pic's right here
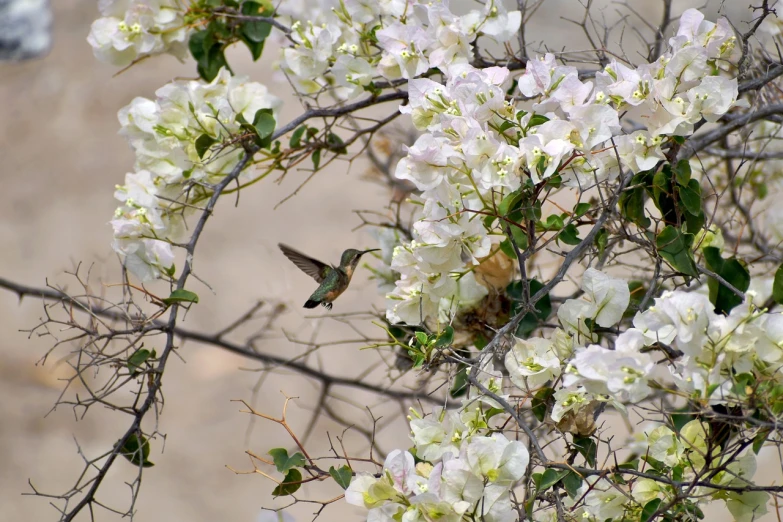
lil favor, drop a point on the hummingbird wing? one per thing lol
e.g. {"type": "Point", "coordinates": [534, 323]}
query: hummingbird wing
{"type": "Point", "coordinates": [306, 264]}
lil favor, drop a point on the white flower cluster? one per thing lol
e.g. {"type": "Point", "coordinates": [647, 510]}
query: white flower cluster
{"type": "Point", "coordinates": [478, 146]}
{"type": "Point", "coordinates": [459, 458]}
{"type": "Point", "coordinates": [412, 36]}
{"type": "Point", "coordinates": [463, 472]}
{"type": "Point", "coordinates": [589, 372]}
{"type": "Point", "coordinates": [171, 178]}
{"type": "Point", "coordinates": [134, 29]}
{"type": "Point", "coordinates": [687, 450]}
{"type": "Point", "coordinates": [603, 500]}
{"type": "Point", "coordinates": [715, 347]}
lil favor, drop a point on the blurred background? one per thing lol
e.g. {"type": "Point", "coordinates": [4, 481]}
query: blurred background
{"type": "Point", "coordinates": [60, 158]}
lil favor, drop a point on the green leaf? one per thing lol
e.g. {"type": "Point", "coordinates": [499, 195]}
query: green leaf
{"type": "Point", "coordinates": [536, 120]}
{"type": "Point", "coordinates": [507, 124]}
{"type": "Point", "coordinates": [657, 465]}
{"type": "Point", "coordinates": [631, 464]}
{"type": "Point", "coordinates": [203, 143]}
{"type": "Point", "coordinates": [760, 439]}
{"type": "Point", "coordinates": [214, 60]}
{"type": "Point", "coordinates": [777, 286]}
{"type": "Point", "coordinates": [632, 201]}
{"type": "Point", "coordinates": [460, 385]}
{"type": "Point", "coordinates": [507, 248]}
{"type": "Point", "coordinates": [510, 203]}
{"type": "Point", "coordinates": [637, 291]}
{"type": "Point", "coordinates": [690, 196]}
{"type": "Point", "coordinates": [520, 238]}
{"type": "Point", "coordinates": [264, 123]}
{"type": "Point", "coordinates": [682, 173]}
{"type": "Point", "coordinates": [342, 476]}
{"type": "Point", "coordinates": [316, 157]}
{"type": "Point", "coordinates": [255, 30]}
{"type": "Point", "coordinates": [549, 478]}
{"type": "Point", "coordinates": [569, 235]}
{"type": "Point", "coordinates": [181, 296]}
{"type": "Point", "coordinates": [256, 48]}
{"type": "Point", "coordinates": [587, 447]}
{"type": "Point", "coordinates": [663, 194]}
{"type": "Point", "coordinates": [601, 241]}
{"type": "Point", "coordinates": [492, 412]}
{"type": "Point", "coordinates": [540, 403]}
{"type": "Point", "coordinates": [137, 450]}
{"type": "Point", "coordinates": [680, 417]}
{"type": "Point", "coordinates": [742, 382]}
{"type": "Point", "coordinates": [196, 44]}
{"type": "Point", "coordinates": [543, 309]}
{"type": "Point", "coordinates": [649, 509]}
{"type": "Point", "coordinates": [296, 136]}
{"type": "Point", "coordinates": [581, 209]}
{"type": "Point", "coordinates": [336, 143]}
{"type": "Point", "coordinates": [445, 337]}
{"type": "Point", "coordinates": [138, 358]}
{"type": "Point", "coordinates": [529, 504]}
{"type": "Point", "coordinates": [553, 222]}
{"type": "Point", "coordinates": [170, 271]}
{"type": "Point", "coordinates": [572, 482]}
{"type": "Point", "coordinates": [675, 247]}
{"type": "Point", "coordinates": [284, 462]}
{"type": "Point", "coordinates": [693, 222]}
{"type": "Point", "coordinates": [422, 338]}
{"type": "Point", "coordinates": [290, 485]}
{"type": "Point", "coordinates": [733, 272]}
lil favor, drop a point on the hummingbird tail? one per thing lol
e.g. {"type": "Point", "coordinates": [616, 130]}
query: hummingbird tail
{"type": "Point", "coordinates": [311, 304]}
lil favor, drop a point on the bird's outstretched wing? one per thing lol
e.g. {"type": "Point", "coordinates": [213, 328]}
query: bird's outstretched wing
{"type": "Point", "coordinates": [306, 264]}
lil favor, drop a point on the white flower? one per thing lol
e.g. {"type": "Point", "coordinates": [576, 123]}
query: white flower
{"type": "Point", "coordinates": [639, 151]}
{"type": "Point", "coordinates": [353, 74]}
{"type": "Point", "coordinates": [678, 317]}
{"type": "Point", "coordinates": [134, 29]}
{"type": "Point", "coordinates": [714, 96]}
{"type": "Point", "coordinates": [532, 362]}
{"type": "Point", "coordinates": [619, 373]}
{"type": "Point", "coordinates": [436, 435]}
{"type": "Point", "coordinates": [567, 400]}
{"type": "Point", "coordinates": [163, 134]}
{"type": "Point", "coordinates": [664, 446]}
{"type": "Point", "coordinates": [609, 297]}
{"type": "Point", "coordinates": [497, 459]}
{"type": "Point", "coordinates": [604, 500]}
{"type": "Point", "coordinates": [747, 506]}
{"type": "Point", "coordinates": [404, 44]}
{"type": "Point", "coordinates": [401, 469]}
{"type": "Point", "coordinates": [146, 258]}
{"type": "Point", "coordinates": [411, 301]}
{"type": "Point", "coordinates": [499, 24]}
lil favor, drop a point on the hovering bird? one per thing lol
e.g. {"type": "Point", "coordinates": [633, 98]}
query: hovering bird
{"type": "Point", "coordinates": [333, 279]}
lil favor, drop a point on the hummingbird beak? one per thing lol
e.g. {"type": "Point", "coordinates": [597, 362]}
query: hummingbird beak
{"type": "Point", "coordinates": [371, 250]}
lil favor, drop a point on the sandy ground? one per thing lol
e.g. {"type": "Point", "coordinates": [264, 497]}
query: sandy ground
{"type": "Point", "coordinates": [60, 157]}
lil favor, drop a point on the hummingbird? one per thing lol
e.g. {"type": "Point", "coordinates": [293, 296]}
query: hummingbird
{"type": "Point", "coordinates": [333, 280]}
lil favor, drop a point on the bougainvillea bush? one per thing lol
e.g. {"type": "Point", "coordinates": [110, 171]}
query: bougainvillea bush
{"type": "Point", "coordinates": [573, 236]}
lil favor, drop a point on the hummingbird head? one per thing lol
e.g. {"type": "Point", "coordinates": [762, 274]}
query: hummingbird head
{"type": "Point", "coordinates": [351, 258]}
